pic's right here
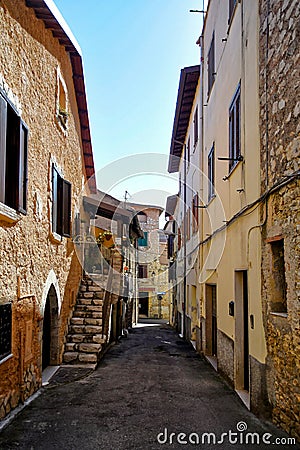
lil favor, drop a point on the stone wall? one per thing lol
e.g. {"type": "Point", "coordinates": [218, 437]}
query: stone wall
{"type": "Point", "coordinates": [280, 151]}
{"type": "Point", "coordinates": [30, 61]}
{"type": "Point", "coordinates": [226, 357]}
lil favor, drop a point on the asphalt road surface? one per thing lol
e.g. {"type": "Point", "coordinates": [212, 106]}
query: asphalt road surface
{"type": "Point", "coordinates": [151, 391]}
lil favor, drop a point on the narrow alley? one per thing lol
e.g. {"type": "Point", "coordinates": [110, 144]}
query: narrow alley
{"type": "Point", "coordinates": [146, 391]}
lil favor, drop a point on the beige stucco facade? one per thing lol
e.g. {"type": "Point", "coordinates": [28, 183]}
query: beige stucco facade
{"type": "Point", "coordinates": [35, 260]}
{"type": "Point", "coordinates": [280, 151]}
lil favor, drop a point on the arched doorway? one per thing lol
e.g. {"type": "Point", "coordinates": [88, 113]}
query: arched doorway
{"type": "Point", "coordinates": [50, 330]}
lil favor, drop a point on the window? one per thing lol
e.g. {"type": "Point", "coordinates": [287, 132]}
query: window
{"type": "Point", "coordinates": [142, 217]}
{"type": "Point", "coordinates": [179, 192]}
{"type": "Point", "coordinates": [196, 127]}
{"type": "Point", "coordinates": [279, 287]}
{"type": "Point", "coordinates": [142, 271]}
{"type": "Point", "coordinates": [232, 4]}
{"type": "Point", "coordinates": [61, 204]}
{"type": "Point", "coordinates": [235, 130]}
{"type": "Point", "coordinates": [188, 152]}
{"type": "Point", "coordinates": [5, 330]}
{"type": "Point", "coordinates": [195, 210]}
{"type": "Point", "coordinates": [13, 157]}
{"type": "Point", "coordinates": [211, 65]}
{"type": "Point", "coordinates": [211, 173]}
{"type": "Point", "coordinates": [62, 111]}
{"type": "Point", "coordinates": [143, 242]}
{"type": "Point", "coordinates": [179, 242]}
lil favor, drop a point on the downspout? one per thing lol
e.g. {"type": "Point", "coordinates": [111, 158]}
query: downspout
{"type": "Point", "coordinates": [266, 96]}
{"type": "Point", "coordinates": [201, 231]}
{"type": "Point", "coordinates": [184, 247]}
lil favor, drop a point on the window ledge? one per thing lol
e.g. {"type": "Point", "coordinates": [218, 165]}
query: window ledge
{"type": "Point", "coordinates": [6, 358]}
{"type": "Point", "coordinates": [8, 214]}
{"type": "Point", "coordinates": [233, 169]}
{"type": "Point", "coordinates": [279, 314]}
{"type": "Point", "coordinates": [211, 199]}
{"type": "Point", "coordinates": [55, 238]}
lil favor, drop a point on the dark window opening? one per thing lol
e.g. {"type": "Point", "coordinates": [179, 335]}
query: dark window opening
{"type": "Point", "coordinates": [61, 204]}
{"type": "Point", "coordinates": [279, 286]}
{"type": "Point", "coordinates": [142, 271]}
{"type": "Point", "coordinates": [5, 330]}
{"type": "Point", "coordinates": [235, 130]}
{"type": "Point", "coordinates": [211, 173]}
{"type": "Point", "coordinates": [196, 128]}
{"type": "Point", "coordinates": [195, 212]}
{"type": "Point", "coordinates": [232, 4]}
{"type": "Point", "coordinates": [188, 151]}
{"type": "Point", "coordinates": [13, 158]}
{"type": "Point", "coordinates": [211, 65]}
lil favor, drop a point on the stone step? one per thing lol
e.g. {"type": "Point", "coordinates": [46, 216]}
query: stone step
{"type": "Point", "coordinates": [79, 358]}
{"type": "Point", "coordinates": [83, 347]}
{"type": "Point", "coordinates": [86, 321]}
{"type": "Point", "coordinates": [90, 308]}
{"type": "Point", "coordinates": [85, 329]}
{"type": "Point", "coordinates": [86, 338]}
{"type": "Point", "coordinates": [92, 338]}
{"type": "Point", "coordinates": [90, 302]}
{"type": "Point", "coordinates": [90, 314]}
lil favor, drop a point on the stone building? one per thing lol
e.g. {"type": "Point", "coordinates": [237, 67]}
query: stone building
{"type": "Point", "coordinates": [153, 285]}
{"type": "Point", "coordinates": [279, 59]}
{"type": "Point", "coordinates": [45, 161]}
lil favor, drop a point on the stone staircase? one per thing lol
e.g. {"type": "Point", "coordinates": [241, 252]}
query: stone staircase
{"type": "Point", "coordinates": [85, 339]}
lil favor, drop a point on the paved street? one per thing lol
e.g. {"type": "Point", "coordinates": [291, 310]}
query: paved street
{"type": "Point", "coordinates": [150, 383]}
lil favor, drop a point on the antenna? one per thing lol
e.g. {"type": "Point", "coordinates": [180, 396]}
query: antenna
{"type": "Point", "coordinates": [126, 196]}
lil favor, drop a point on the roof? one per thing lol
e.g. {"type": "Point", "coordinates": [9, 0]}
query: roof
{"type": "Point", "coordinates": [188, 82]}
{"type": "Point", "coordinates": [106, 206]}
{"type": "Point", "coordinates": [143, 207]}
{"type": "Point", "coordinates": [50, 15]}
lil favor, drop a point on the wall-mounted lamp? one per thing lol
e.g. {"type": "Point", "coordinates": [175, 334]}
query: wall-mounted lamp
{"type": "Point", "coordinates": [231, 308]}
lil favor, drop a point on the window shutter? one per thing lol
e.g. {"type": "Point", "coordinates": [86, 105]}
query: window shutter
{"type": "Point", "coordinates": [66, 208]}
{"type": "Point", "coordinates": [22, 188]}
{"type": "Point", "coordinates": [54, 199]}
{"type": "Point", "coordinates": [12, 158]}
{"type": "Point", "coordinates": [3, 124]}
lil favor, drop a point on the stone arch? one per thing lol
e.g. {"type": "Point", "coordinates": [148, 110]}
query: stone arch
{"type": "Point", "coordinates": [50, 345]}
{"type": "Point", "coordinates": [51, 280]}
{"type": "Point", "coordinates": [50, 309]}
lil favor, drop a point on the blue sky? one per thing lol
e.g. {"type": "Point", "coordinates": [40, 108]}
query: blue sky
{"type": "Point", "coordinates": [133, 51]}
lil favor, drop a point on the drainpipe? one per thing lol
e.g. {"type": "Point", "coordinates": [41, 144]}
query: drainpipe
{"type": "Point", "coordinates": [184, 247]}
{"type": "Point", "coordinates": [201, 222]}
{"type": "Point", "coordinates": [184, 234]}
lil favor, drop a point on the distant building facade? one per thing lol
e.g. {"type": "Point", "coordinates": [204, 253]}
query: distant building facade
{"type": "Point", "coordinates": [152, 276]}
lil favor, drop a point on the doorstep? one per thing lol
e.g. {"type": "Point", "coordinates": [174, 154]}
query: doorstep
{"type": "Point", "coordinates": [48, 373]}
